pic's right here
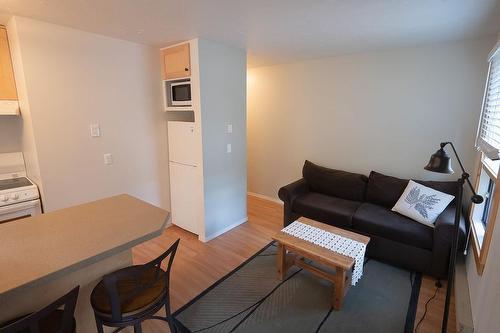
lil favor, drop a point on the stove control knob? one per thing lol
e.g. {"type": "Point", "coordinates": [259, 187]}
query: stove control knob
{"type": "Point", "coordinates": [4, 198]}
{"type": "Point", "coordinates": [14, 196]}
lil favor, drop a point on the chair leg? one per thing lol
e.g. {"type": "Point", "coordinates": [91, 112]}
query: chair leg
{"type": "Point", "coordinates": [170, 319]}
{"type": "Point", "coordinates": [138, 328]}
{"type": "Point", "coordinates": [98, 323]}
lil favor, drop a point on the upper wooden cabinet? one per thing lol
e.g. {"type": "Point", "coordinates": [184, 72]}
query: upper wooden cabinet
{"type": "Point", "coordinates": [176, 62]}
{"type": "Point", "coordinates": [7, 82]}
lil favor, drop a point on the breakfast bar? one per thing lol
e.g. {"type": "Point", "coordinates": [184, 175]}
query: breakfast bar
{"type": "Point", "coordinates": [45, 256]}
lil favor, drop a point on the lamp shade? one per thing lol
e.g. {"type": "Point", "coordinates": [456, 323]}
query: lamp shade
{"type": "Point", "coordinates": [439, 162]}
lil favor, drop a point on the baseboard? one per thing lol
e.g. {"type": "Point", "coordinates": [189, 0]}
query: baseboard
{"type": "Point", "coordinates": [265, 197]}
{"type": "Point", "coordinates": [226, 229]}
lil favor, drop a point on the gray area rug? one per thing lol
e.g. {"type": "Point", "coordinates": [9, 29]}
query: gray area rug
{"type": "Point", "coordinates": [251, 299]}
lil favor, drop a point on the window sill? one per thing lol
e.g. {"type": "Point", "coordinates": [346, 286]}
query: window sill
{"type": "Point", "coordinates": [491, 167]}
{"type": "Point", "coordinates": [476, 249]}
{"type": "Point", "coordinates": [479, 232]}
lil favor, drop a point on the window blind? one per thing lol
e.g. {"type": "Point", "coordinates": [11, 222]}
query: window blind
{"type": "Point", "coordinates": [488, 134]}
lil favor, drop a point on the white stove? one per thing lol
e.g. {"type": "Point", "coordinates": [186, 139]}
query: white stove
{"type": "Point", "coordinates": [19, 196]}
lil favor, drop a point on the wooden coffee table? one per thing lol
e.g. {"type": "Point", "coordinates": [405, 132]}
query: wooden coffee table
{"type": "Point", "coordinates": [294, 251]}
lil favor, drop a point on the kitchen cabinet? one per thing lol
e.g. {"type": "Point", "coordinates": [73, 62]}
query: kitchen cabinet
{"type": "Point", "coordinates": [176, 62]}
{"type": "Point", "coordinates": [7, 82]}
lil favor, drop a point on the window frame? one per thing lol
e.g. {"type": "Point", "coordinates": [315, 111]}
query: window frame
{"type": "Point", "coordinates": [481, 250]}
{"type": "Point", "coordinates": [491, 168]}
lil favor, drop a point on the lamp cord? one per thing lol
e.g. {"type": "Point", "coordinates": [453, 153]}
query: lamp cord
{"type": "Point", "coordinates": [425, 309]}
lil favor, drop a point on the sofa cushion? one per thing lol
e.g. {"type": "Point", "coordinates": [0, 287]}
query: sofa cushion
{"type": "Point", "coordinates": [450, 188]}
{"type": "Point", "coordinates": [327, 209]}
{"type": "Point", "coordinates": [386, 190]}
{"type": "Point", "coordinates": [337, 183]}
{"type": "Point", "coordinates": [379, 221]}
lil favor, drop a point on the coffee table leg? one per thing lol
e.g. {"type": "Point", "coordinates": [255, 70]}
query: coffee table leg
{"type": "Point", "coordinates": [339, 288]}
{"type": "Point", "coordinates": [281, 261]}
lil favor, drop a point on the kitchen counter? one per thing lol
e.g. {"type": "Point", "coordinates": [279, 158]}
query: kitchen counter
{"type": "Point", "coordinates": [49, 254]}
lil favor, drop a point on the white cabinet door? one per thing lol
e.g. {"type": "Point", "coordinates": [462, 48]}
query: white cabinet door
{"type": "Point", "coordinates": [182, 142]}
{"type": "Point", "coordinates": [184, 196]}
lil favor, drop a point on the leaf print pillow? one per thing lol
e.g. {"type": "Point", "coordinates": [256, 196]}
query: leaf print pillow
{"type": "Point", "coordinates": [421, 203]}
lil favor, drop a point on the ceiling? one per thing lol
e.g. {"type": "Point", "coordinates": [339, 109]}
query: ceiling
{"type": "Point", "coordinates": [273, 31]}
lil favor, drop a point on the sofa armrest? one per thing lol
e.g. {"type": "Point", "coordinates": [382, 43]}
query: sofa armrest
{"type": "Point", "coordinates": [445, 224]}
{"type": "Point", "coordinates": [443, 237]}
{"type": "Point", "coordinates": [291, 191]}
{"type": "Point", "coordinates": [288, 194]}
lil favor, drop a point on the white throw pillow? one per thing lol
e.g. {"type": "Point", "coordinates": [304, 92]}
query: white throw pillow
{"type": "Point", "coordinates": [421, 203]}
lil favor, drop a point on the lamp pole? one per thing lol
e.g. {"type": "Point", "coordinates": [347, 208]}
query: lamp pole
{"type": "Point", "coordinates": [453, 254]}
{"type": "Point", "coordinates": [440, 162]}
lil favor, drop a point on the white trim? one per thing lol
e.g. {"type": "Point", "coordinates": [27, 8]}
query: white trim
{"type": "Point", "coordinates": [265, 197]}
{"type": "Point", "coordinates": [220, 232]}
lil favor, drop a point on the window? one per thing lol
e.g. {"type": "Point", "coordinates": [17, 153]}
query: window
{"type": "Point", "coordinates": [488, 136]}
{"type": "Point", "coordinates": [483, 216]}
{"type": "Point", "coordinates": [487, 202]}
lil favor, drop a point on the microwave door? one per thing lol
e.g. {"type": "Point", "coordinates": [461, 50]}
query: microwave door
{"type": "Point", "coordinates": [181, 94]}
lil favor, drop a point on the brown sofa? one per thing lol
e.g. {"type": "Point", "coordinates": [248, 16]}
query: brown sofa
{"type": "Point", "coordinates": [363, 204]}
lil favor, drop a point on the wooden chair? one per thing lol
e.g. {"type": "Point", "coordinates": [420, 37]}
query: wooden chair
{"type": "Point", "coordinates": [134, 294]}
{"type": "Point", "coordinates": [50, 319]}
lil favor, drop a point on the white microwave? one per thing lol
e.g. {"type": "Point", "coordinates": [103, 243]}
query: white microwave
{"type": "Point", "coordinates": [180, 93]}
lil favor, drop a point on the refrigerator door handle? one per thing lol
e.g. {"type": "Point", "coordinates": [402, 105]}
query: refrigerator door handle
{"type": "Point", "coordinates": [189, 165]}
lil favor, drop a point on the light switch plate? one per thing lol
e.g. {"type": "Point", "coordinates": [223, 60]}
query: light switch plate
{"type": "Point", "coordinates": [229, 148]}
{"type": "Point", "coordinates": [108, 159]}
{"type": "Point", "coordinates": [95, 130]}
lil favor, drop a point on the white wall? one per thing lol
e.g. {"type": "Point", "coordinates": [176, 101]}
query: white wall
{"type": "Point", "coordinates": [74, 78]}
{"type": "Point", "coordinates": [223, 101]}
{"type": "Point", "coordinates": [26, 135]}
{"type": "Point", "coordinates": [385, 111]}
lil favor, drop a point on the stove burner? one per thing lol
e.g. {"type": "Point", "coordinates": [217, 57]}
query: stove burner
{"type": "Point", "coordinates": [7, 184]}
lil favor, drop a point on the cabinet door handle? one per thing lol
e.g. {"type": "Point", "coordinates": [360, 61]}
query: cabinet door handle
{"type": "Point", "coordinates": [186, 69]}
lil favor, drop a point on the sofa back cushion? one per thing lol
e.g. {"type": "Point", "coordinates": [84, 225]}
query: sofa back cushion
{"type": "Point", "coordinates": [385, 190]}
{"type": "Point", "coordinates": [337, 183]}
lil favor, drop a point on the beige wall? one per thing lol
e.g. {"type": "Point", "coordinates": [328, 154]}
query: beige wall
{"type": "Point", "coordinates": [484, 291]}
{"type": "Point", "coordinates": [385, 111]}
{"type": "Point", "coordinates": [75, 78]}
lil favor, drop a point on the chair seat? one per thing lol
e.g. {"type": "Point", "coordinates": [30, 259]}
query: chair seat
{"type": "Point", "coordinates": [50, 324]}
{"type": "Point", "coordinates": [142, 301]}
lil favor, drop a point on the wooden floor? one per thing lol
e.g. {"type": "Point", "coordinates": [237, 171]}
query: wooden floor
{"type": "Point", "coordinates": [197, 265]}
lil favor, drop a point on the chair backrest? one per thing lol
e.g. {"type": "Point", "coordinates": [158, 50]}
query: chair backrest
{"type": "Point", "coordinates": [134, 274]}
{"type": "Point", "coordinates": [31, 323]}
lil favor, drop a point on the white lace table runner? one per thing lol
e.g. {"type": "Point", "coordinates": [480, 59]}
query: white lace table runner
{"type": "Point", "coordinates": [333, 242]}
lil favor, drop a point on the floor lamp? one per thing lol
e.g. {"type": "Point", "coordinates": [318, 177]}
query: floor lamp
{"type": "Point", "coordinates": [441, 162]}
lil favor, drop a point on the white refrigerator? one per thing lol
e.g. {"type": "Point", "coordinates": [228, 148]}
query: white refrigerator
{"type": "Point", "coordinates": [184, 184]}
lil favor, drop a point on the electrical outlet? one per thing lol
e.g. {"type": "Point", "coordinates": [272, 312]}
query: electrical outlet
{"type": "Point", "coordinates": [95, 130]}
{"type": "Point", "coordinates": [108, 159]}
